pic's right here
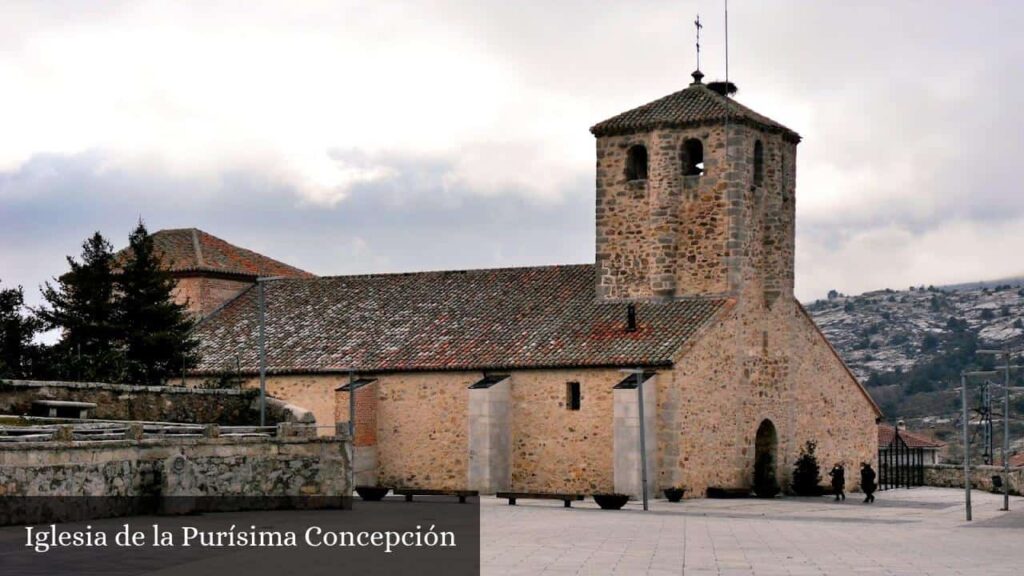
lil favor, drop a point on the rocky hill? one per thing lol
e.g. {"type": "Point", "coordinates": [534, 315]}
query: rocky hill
{"type": "Point", "coordinates": [889, 330]}
{"type": "Point", "coordinates": [909, 346]}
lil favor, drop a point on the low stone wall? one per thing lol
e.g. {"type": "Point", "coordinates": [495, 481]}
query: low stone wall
{"type": "Point", "coordinates": [952, 476]}
{"type": "Point", "coordinates": [243, 469]}
{"type": "Point", "coordinates": [150, 403]}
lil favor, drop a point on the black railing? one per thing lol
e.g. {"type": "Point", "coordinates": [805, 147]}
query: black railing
{"type": "Point", "coordinates": [900, 466]}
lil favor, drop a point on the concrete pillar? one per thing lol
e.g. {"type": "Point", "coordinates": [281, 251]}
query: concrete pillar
{"type": "Point", "coordinates": [490, 432]}
{"type": "Point", "coordinates": [626, 439]}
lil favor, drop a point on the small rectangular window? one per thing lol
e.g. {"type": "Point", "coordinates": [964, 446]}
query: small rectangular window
{"type": "Point", "coordinates": [572, 395]}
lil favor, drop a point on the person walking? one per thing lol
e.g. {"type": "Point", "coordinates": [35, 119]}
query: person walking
{"type": "Point", "coordinates": [867, 482]}
{"type": "Point", "coordinates": [838, 474]}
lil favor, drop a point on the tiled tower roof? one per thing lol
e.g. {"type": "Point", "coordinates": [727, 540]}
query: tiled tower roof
{"type": "Point", "coordinates": [696, 105]}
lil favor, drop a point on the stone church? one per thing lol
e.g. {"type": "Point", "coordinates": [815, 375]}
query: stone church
{"type": "Point", "coordinates": [516, 378]}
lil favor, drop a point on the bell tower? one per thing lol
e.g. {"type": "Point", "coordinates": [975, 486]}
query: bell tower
{"type": "Point", "coordinates": [695, 198]}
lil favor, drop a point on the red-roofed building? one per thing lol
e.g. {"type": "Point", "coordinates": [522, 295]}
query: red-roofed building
{"type": "Point", "coordinates": [210, 271]}
{"type": "Point", "coordinates": [931, 448]}
{"type": "Point", "coordinates": [513, 378]}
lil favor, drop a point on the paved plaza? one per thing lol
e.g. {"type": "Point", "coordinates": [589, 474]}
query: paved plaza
{"type": "Point", "coordinates": [912, 532]}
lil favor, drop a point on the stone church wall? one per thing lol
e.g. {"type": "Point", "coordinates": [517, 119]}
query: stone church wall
{"type": "Point", "coordinates": [758, 365]}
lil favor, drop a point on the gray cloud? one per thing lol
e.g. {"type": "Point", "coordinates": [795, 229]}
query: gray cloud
{"type": "Point", "coordinates": [908, 174]}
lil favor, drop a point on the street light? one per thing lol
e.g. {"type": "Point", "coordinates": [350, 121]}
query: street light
{"type": "Point", "coordinates": [1006, 367]}
{"type": "Point", "coordinates": [967, 446]}
{"type": "Point", "coordinates": [261, 302]}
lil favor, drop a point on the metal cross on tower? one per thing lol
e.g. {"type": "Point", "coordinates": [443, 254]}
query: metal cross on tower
{"type": "Point", "coordinates": [698, 25]}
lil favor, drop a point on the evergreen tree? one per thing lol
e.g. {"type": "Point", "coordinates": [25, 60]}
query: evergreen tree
{"type": "Point", "coordinates": [806, 473]}
{"type": "Point", "coordinates": [17, 329]}
{"type": "Point", "coordinates": [81, 305]}
{"type": "Point", "coordinates": [157, 332]}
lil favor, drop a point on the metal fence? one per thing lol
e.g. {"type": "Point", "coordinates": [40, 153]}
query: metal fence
{"type": "Point", "coordinates": [900, 466]}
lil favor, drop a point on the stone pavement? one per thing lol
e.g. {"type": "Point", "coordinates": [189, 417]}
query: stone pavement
{"type": "Point", "coordinates": [912, 532]}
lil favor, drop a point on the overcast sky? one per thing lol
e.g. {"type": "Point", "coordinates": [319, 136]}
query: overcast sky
{"type": "Point", "coordinates": [353, 137]}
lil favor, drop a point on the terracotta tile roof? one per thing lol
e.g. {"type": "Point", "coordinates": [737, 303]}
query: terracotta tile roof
{"type": "Point", "coordinates": [696, 105]}
{"type": "Point", "coordinates": [191, 250]}
{"type": "Point", "coordinates": [886, 434]}
{"type": "Point", "coordinates": [461, 320]}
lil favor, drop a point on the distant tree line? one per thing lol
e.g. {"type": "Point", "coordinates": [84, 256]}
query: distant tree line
{"type": "Point", "coordinates": [117, 320]}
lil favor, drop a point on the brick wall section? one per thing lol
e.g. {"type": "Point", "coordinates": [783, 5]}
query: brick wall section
{"type": "Point", "coordinates": [366, 413]}
{"type": "Point", "coordinates": [203, 295]}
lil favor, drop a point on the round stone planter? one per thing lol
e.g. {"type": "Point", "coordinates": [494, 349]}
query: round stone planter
{"type": "Point", "coordinates": [674, 494]}
{"type": "Point", "coordinates": [372, 493]}
{"type": "Point", "coordinates": [611, 501]}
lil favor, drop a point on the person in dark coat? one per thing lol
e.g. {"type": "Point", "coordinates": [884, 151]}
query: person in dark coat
{"type": "Point", "coordinates": [867, 482]}
{"type": "Point", "coordinates": [838, 474]}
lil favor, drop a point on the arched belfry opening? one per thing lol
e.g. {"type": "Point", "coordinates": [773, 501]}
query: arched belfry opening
{"type": "Point", "coordinates": [692, 156]}
{"type": "Point", "coordinates": [758, 163]}
{"type": "Point", "coordinates": [636, 162]}
{"type": "Point", "coordinates": [766, 445]}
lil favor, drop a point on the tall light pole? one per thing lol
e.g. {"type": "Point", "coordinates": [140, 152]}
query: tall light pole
{"type": "Point", "coordinates": [261, 303]}
{"type": "Point", "coordinates": [1006, 367]}
{"type": "Point", "coordinates": [262, 338]}
{"type": "Point", "coordinates": [967, 446]}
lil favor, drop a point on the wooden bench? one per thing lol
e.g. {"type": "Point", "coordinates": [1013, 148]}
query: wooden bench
{"type": "Point", "coordinates": [567, 499]}
{"type": "Point", "coordinates": [410, 492]}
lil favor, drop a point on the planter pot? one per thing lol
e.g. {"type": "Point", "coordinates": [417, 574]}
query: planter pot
{"type": "Point", "coordinates": [674, 494]}
{"type": "Point", "coordinates": [611, 501]}
{"type": "Point", "coordinates": [372, 493]}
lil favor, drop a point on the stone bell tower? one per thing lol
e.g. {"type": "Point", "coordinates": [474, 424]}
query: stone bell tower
{"type": "Point", "coordinates": [695, 197]}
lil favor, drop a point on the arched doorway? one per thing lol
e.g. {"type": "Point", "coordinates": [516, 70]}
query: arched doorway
{"type": "Point", "coordinates": [766, 484]}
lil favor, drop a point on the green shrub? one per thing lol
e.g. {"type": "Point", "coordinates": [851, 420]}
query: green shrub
{"type": "Point", "coordinates": [806, 473]}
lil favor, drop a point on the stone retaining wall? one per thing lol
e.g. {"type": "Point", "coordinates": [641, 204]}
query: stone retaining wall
{"type": "Point", "coordinates": [150, 403]}
{"type": "Point", "coordinates": [236, 468]}
{"type": "Point", "coordinates": [952, 476]}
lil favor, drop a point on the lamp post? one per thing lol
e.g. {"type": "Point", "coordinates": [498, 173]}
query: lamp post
{"type": "Point", "coordinates": [967, 447]}
{"type": "Point", "coordinates": [261, 303]}
{"type": "Point", "coordinates": [1006, 367]}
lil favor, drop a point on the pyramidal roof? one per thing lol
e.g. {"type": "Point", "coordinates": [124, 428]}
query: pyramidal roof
{"type": "Point", "coordinates": [185, 250]}
{"type": "Point", "coordinates": [694, 106]}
